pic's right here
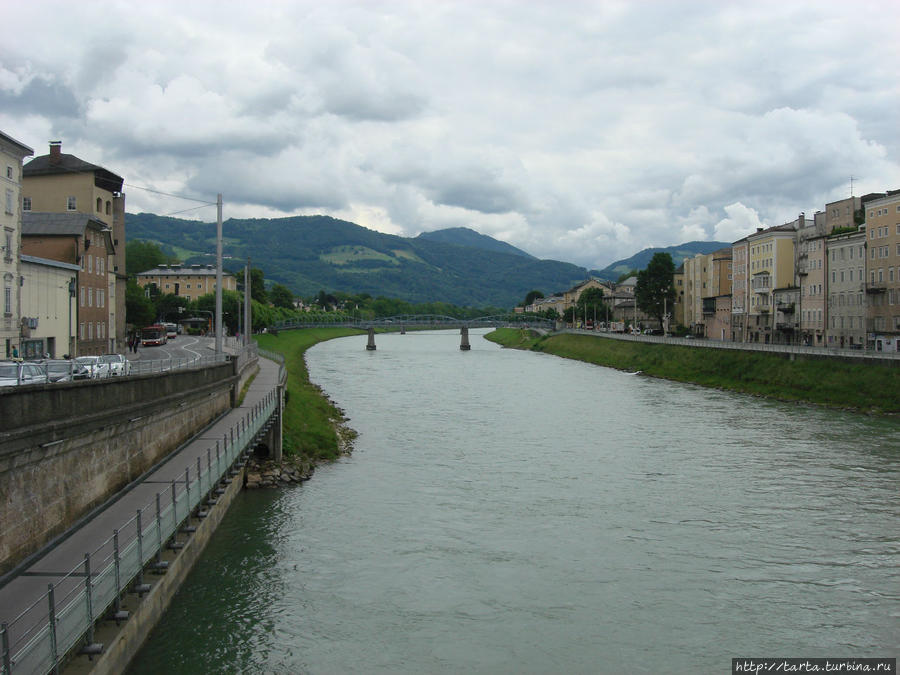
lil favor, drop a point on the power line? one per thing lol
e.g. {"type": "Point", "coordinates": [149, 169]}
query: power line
{"type": "Point", "coordinates": [169, 194]}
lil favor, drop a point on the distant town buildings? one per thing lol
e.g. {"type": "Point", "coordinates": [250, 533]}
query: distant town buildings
{"type": "Point", "coordinates": [184, 281]}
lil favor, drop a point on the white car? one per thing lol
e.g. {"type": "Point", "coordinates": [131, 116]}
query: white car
{"type": "Point", "coordinates": [13, 373]}
{"type": "Point", "coordinates": [90, 363]}
{"type": "Point", "coordinates": [111, 365]}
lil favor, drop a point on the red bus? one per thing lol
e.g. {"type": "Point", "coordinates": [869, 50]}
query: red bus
{"type": "Point", "coordinates": [153, 335]}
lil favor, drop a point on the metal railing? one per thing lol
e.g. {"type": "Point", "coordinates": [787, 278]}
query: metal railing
{"type": "Point", "coordinates": [277, 358]}
{"type": "Point", "coordinates": [744, 346]}
{"type": "Point", "coordinates": [38, 639]}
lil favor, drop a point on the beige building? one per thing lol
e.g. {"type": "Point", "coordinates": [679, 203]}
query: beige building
{"type": "Point", "coordinates": [770, 266]}
{"type": "Point", "coordinates": [707, 285]}
{"type": "Point", "coordinates": [883, 272]}
{"type": "Point", "coordinates": [846, 311]}
{"type": "Point", "coordinates": [811, 264]}
{"type": "Point", "coordinates": [11, 155]}
{"type": "Point", "coordinates": [185, 281]}
{"type": "Point", "coordinates": [61, 183]}
{"type": "Point", "coordinates": [740, 297]}
{"type": "Point", "coordinates": [678, 310]}
{"type": "Point", "coordinates": [48, 307]}
{"type": "Point", "coordinates": [82, 240]}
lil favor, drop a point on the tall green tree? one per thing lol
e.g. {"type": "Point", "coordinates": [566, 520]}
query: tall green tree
{"type": "Point", "coordinates": [592, 301]}
{"type": "Point", "coordinates": [281, 296]}
{"type": "Point", "coordinates": [140, 310]}
{"type": "Point", "coordinates": [141, 256]}
{"type": "Point", "coordinates": [655, 290]}
{"type": "Point", "coordinates": [258, 286]}
{"type": "Point", "coordinates": [531, 297]}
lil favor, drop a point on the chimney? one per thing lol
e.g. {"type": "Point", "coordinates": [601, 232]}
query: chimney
{"type": "Point", "coordinates": [55, 152]}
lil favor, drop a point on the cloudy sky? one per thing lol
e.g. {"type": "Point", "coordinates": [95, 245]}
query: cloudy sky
{"type": "Point", "coordinates": [579, 131]}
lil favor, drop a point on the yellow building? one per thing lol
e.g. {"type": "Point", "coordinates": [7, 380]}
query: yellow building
{"type": "Point", "coordinates": [770, 267]}
{"type": "Point", "coordinates": [61, 183]}
{"type": "Point", "coordinates": [185, 281]}
{"type": "Point", "coordinates": [11, 155]}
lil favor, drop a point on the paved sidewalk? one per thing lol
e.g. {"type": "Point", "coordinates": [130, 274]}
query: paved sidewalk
{"type": "Point", "coordinates": [23, 602]}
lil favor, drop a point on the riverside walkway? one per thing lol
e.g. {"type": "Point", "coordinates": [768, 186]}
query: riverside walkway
{"type": "Point", "coordinates": [52, 603]}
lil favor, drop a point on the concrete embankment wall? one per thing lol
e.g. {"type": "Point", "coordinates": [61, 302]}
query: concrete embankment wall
{"type": "Point", "coordinates": [66, 448]}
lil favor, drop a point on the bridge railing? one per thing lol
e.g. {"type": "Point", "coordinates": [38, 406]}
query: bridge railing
{"type": "Point", "coordinates": [706, 343]}
{"type": "Point", "coordinates": [41, 636]}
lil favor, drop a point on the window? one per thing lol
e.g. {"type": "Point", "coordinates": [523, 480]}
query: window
{"type": "Point", "coordinates": [82, 296]}
{"type": "Point", "coordinates": [26, 204]}
{"type": "Point", "coordinates": [81, 330]}
{"type": "Point", "coordinates": [100, 264]}
{"type": "Point", "coordinates": [107, 207]}
{"type": "Point", "coordinates": [90, 263]}
{"type": "Point", "coordinates": [7, 300]}
{"type": "Point", "coordinates": [90, 297]}
{"type": "Point", "coordinates": [99, 205]}
{"type": "Point", "coordinates": [9, 202]}
{"type": "Point", "coordinates": [9, 173]}
{"type": "Point", "coordinates": [90, 328]}
{"type": "Point", "coordinates": [71, 204]}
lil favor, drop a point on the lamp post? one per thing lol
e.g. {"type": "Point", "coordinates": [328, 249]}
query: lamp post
{"type": "Point", "coordinates": [72, 295]}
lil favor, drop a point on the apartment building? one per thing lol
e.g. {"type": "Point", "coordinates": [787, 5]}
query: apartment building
{"type": "Point", "coordinates": [185, 281]}
{"type": "Point", "coordinates": [740, 255]}
{"type": "Point", "coordinates": [883, 272]}
{"type": "Point", "coordinates": [846, 273]}
{"type": "Point", "coordinates": [48, 307]}
{"type": "Point", "coordinates": [770, 267]}
{"type": "Point", "coordinates": [810, 310]}
{"type": "Point", "coordinates": [63, 183]}
{"type": "Point", "coordinates": [78, 239]}
{"type": "Point", "coordinates": [12, 152]}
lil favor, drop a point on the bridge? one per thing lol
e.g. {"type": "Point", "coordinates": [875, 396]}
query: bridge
{"type": "Point", "coordinates": [402, 321]}
{"type": "Point", "coordinates": [110, 490]}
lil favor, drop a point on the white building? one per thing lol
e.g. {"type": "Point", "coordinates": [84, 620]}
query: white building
{"type": "Point", "coordinates": [11, 155]}
{"type": "Point", "coordinates": [48, 307]}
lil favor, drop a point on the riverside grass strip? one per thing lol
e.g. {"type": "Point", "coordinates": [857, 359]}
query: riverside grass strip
{"type": "Point", "coordinates": [310, 418]}
{"type": "Point", "coordinates": [870, 388]}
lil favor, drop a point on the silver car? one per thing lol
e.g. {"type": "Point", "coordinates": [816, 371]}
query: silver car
{"type": "Point", "coordinates": [64, 370]}
{"type": "Point", "coordinates": [111, 365]}
{"type": "Point", "coordinates": [14, 373]}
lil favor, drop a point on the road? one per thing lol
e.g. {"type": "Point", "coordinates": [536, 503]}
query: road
{"type": "Point", "coordinates": [183, 347]}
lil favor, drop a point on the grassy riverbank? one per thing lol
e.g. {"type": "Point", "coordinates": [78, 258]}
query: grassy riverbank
{"type": "Point", "coordinates": [830, 382]}
{"type": "Point", "coordinates": [313, 428]}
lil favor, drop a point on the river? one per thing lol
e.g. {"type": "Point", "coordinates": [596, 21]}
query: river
{"type": "Point", "coordinates": [513, 512]}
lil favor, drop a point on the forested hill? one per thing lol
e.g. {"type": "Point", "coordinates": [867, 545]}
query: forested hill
{"type": "Point", "coordinates": [640, 260]}
{"type": "Point", "coordinates": [312, 253]}
{"type": "Point", "coordinates": [463, 236]}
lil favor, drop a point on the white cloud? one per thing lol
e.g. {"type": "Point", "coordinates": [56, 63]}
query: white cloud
{"type": "Point", "coordinates": [558, 127]}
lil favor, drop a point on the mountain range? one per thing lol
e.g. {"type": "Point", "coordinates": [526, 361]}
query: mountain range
{"type": "Point", "coordinates": [312, 253]}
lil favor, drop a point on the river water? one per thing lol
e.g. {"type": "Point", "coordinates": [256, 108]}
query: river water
{"type": "Point", "coordinates": [513, 512]}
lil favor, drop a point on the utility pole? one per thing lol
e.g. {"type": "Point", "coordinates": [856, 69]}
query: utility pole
{"type": "Point", "coordinates": [219, 273]}
{"type": "Point", "coordinates": [248, 325]}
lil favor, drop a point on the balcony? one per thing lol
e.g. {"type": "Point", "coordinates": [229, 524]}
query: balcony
{"type": "Point", "coordinates": [875, 287]}
{"type": "Point", "coordinates": [786, 307]}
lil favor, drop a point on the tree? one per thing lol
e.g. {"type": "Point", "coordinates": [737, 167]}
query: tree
{"type": "Point", "coordinates": [139, 309]}
{"type": "Point", "coordinates": [531, 297]}
{"type": "Point", "coordinates": [655, 292]}
{"type": "Point", "coordinates": [258, 286]}
{"type": "Point", "coordinates": [281, 296]}
{"type": "Point", "coordinates": [141, 256]}
{"type": "Point", "coordinates": [170, 307]}
{"type": "Point", "coordinates": [591, 301]}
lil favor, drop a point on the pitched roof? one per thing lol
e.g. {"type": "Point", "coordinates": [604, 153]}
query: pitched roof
{"type": "Point", "coordinates": [36, 223]}
{"type": "Point", "coordinates": [42, 166]}
{"type": "Point", "coordinates": [21, 147]}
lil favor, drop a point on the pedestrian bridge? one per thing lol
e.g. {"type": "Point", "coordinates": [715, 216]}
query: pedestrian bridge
{"type": "Point", "coordinates": [402, 321]}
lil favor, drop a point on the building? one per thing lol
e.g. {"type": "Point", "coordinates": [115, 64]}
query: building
{"type": "Point", "coordinates": [678, 284]}
{"type": "Point", "coordinates": [61, 183]}
{"type": "Point", "coordinates": [707, 285]}
{"type": "Point", "coordinates": [184, 281]}
{"type": "Point", "coordinates": [846, 280]}
{"type": "Point", "coordinates": [740, 296]}
{"type": "Point", "coordinates": [770, 266]}
{"type": "Point", "coordinates": [48, 306]}
{"type": "Point", "coordinates": [883, 272]}
{"type": "Point", "coordinates": [810, 311]}
{"type": "Point", "coordinates": [84, 241]}
{"type": "Point", "coordinates": [11, 155]}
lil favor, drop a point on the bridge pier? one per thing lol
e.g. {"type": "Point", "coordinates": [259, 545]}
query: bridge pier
{"type": "Point", "coordinates": [464, 339]}
{"type": "Point", "coordinates": [370, 346]}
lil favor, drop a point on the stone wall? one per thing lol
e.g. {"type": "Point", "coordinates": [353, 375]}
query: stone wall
{"type": "Point", "coordinates": [67, 448]}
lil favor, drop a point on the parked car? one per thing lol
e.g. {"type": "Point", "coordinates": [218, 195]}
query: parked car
{"type": "Point", "coordinates": [111, 365]}
{"type": "Point", "coordinates": [64, 370]}
{"type": "Point", "coordinates": [14, 373]}
{"type": "Point", "coordinates": [91, 364]}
